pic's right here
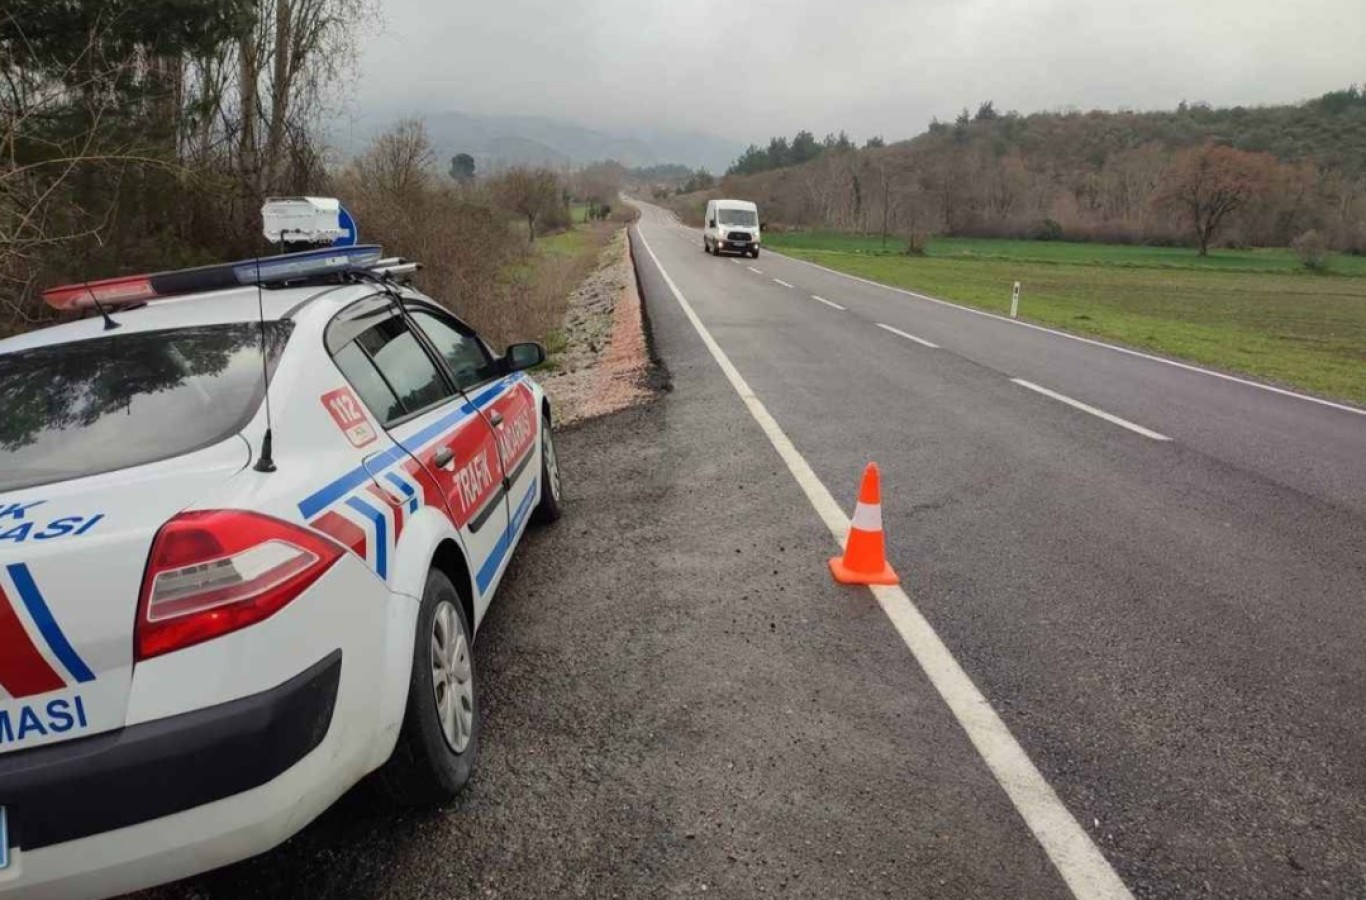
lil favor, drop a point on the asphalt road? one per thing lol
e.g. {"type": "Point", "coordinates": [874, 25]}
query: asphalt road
{"type": "Point", "coordinates": [678, 701]}
{"type": "Point", "coordinates": [1172, 628]}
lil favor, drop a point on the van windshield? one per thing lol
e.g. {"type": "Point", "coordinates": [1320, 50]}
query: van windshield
{"type": "Point", "coordinates": [746, 218]}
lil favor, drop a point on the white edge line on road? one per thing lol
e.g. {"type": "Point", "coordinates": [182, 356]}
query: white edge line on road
{"type": "Point", "coordinates": [1085, 340]}
{"type": "Point", "coordinates": [754, 270]}
{"type": "Point", "coordinates": [1078, 860]}
{"type": "Point", "coordinates": [1099, 413]}
{"type": "Point", "coordinates": [827, 302]}
{"type": "Point", "coordinates": [909, 337]}
{"type": "Point", "coordinates": [783, 283]}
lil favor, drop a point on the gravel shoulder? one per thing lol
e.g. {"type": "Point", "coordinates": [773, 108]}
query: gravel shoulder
{"type": "Point", "coordinates": [605, 365]}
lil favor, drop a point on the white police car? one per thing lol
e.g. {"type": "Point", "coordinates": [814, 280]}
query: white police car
{"type": "Point", "coordinates": [222, 605]}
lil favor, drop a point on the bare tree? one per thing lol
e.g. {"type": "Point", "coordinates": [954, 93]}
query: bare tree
{"type": "Point", "coordinates": [529, 193]}
{"type": "Point", "coordinates": [1210, 182]}
{"type": "Point", "coordinates": [400, 161]}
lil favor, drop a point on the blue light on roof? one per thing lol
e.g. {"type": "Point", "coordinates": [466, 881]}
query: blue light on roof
{"type": "Point", "coordinates": [309, 264]}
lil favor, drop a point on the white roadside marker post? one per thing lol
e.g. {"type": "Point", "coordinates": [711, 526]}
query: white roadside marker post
{"type": "Point", "coordinates": [1015, 301]}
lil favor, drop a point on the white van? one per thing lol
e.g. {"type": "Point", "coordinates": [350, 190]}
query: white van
{"type": "Point", "coordinates": [731, 225]}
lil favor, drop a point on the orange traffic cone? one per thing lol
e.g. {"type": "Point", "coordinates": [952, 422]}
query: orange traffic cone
{"type": "Point", "coordinates": [865, 554]}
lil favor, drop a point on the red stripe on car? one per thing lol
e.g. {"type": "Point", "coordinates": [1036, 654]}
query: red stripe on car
{"type": "Point", "coordinates": [342, 530]}
{"type": "Point", "coordinates": [23, 671]}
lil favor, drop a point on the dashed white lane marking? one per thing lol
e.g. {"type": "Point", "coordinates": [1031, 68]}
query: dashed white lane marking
{"type": "Point", "coordinates": [737, 262]}
{"type": "Point", "coordinates": [783, 283]}
{"type": "Point", "coordinates": [909, 337]}
{"type": "Point", "coordinates": [754, 270]}
{"type": "Point", "coordinates": [827, 302]}
{"type": "Point", "coordinates": [1076, 857]}
{"type": "Point", "coordinates": [1099, 413]}
{"type": "Point", "coordinates": [1095, 343]}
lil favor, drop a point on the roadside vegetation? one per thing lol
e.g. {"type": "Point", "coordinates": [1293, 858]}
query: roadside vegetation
{"type": "Point", "coordinates": [1257, 312]}
{"type": "Point", "coordinates": [145, 142]}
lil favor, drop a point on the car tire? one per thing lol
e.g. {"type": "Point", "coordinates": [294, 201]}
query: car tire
{"type": "Point", "coordinates": [438, 744]}
{"type": "Point", "coordinates": [706, 248]}
{"type": "Point", "coordinates": [754, 253]}
{"type": "Point", "coordinates": [548, 509]}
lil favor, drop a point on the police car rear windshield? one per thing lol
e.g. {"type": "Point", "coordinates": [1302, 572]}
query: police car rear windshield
{"type": "Point", "coordinates": [69, 410]}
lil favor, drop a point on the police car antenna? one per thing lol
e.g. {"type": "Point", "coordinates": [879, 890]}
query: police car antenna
{"type": "Point", "coordinates": [109, 323]}
{"type": "Point", "coordinates": [266, 461]}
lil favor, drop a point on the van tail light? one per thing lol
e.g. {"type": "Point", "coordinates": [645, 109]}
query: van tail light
{"type": "Point", "coordinates": [216, 571]}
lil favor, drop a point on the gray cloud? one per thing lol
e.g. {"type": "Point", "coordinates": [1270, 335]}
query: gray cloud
{"type": "Point", "coordinates": [745, 69]}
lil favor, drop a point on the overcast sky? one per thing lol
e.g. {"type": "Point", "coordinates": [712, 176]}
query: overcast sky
{"type": "Point", "coordinates": [746, 69]}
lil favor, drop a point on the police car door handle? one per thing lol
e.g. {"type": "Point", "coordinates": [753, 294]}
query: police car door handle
{"type": "Point", "coordinates": [496, 419]}
{"type": "Point", "coordinates": [443, 457]}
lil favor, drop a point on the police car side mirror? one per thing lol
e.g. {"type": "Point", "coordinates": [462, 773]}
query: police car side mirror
{"type": "Point", "coordinates": [527, 355]}
{"type": "Point", "coordinates": [711, 224]}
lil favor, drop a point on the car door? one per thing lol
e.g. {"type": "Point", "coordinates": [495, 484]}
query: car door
{"type": "Point", "coordinates": [453, 447]}
{"type": "Point", "coordinates": [505, 399]}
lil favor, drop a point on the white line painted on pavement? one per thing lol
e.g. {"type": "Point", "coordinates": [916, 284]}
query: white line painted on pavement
{"type": "Point", "coordinates": [1076, 857]}
{"type": "Point", "coordinates": [783, 283]}
{"type": "Point", "coordinates": [909, 337]}
{"type": "Point", "coordinates": [754, 270]}
{"type": "Point", "coordinates": [1095, 343]}
{"type": "Point", "coordinates": [1100, 413]}
{"type": "Point", "coordinates": [737, 262]}
{"type": "Point", "coordinates": [827, 302]}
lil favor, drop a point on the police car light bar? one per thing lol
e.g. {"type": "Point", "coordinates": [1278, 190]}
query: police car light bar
{"type": "Point", "coordinates": [135, 289]}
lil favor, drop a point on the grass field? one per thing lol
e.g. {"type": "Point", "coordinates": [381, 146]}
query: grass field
{"type": "Point", "coordinates": [1256, 312]}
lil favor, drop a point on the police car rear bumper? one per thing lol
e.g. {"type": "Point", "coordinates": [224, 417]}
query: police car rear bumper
{"type": "Point", "coordinates": [67, 791]}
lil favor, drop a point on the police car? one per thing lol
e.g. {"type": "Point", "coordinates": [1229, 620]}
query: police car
{"type": "Point", "coordinates": [250, 518]}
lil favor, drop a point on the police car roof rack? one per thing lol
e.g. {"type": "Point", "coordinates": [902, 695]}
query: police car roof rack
{"type": "Point", "coordinates": [394, 267]}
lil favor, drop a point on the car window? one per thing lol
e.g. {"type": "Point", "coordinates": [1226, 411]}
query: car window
{"type": "Point", "coordinates": [87, 407]}
{"type": "Point", "coordinates": [464, 353]}
{"type": "Point", "coordinates": [406, 367]}
{"type": "Point", "coordinates": [374, 391]}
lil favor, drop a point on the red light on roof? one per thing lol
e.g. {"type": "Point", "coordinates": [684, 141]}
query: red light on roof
{"type": "Point", "coordinates": [109, 292]}
{"type": "Point", "coordinates": [283, 269]}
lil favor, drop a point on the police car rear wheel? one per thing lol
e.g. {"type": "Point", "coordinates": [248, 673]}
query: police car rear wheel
{"type": "Point", "coordinates": [549, 509]}
{"type": "Point", "coordinates": [439, 742]}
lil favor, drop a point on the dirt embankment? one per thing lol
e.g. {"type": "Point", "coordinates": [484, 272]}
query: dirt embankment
{"type": "Point", "coordinates": [605, 365]}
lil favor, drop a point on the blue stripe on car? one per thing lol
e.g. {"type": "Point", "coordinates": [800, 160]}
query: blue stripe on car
{"type": "Point", "coordinates": [490, 567]}
{"type": "Point", "coordinates": [406, 489]}
{"type": "Point", "coordinates": [329, 494]}
{"type": "Point", "coordinates": [42, 617]}
{"type": "Point", "coordinates": [381, 536]}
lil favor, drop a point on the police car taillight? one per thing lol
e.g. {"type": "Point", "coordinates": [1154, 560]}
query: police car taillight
{"type": "Point", "coordinates": [215, 572]}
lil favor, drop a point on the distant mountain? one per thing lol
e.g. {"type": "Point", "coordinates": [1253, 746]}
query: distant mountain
{"type": "Point", "coordinates": [533, 140]}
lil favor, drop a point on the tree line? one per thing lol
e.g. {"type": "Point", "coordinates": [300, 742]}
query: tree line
{"type": "Point", "coordinates": [1197, 176]}
{"type": "Point", "coordinates": [144, 135]}
{"type": "Point", "coordinates": [781, 152]}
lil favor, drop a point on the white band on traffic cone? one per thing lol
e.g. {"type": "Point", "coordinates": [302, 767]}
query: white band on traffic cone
{"type": "Point", "coordinates": [867, 517]}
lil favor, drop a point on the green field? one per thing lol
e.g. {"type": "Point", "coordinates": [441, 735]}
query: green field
{"type": "Point", "coordinates": [1256, 312]}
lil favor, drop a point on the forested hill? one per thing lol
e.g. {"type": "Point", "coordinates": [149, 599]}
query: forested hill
{"type": "Point", "coordinates": [1329, 131]}
{"type": "Point", "coordinates": [1110, 176]}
